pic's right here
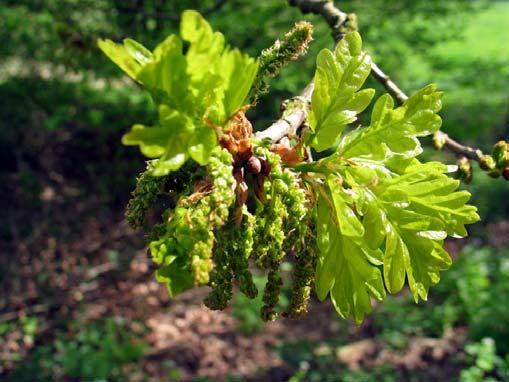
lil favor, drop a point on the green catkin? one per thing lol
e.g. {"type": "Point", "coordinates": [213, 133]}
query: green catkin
{"type": "Point", "coordinates": [243, 246]}
{"type": "Point", "coordinates": [295, 202]}
{"type": "Point", "coordinates": [269, 236]}
{"type": "Point", "coordinates": [303, 275]}
{"type": "Point", "coordinates": [143, 197]}
{"type": "Point", "coordinates": [270, 233]}
{"type": "Point", "coordinates": [271, 295]}
{"type": "Point", "coordinates": [188, 235]}
{"type": "Point", "coordinates": [221, 278]}
{"type": "Point", "coordinates": [297, 226]}
{"type": "Point", "coordinates": [300, 243]}
{"type": "Point", "coordinates": [157, 232]}
{"type": "Point", "coordinates": [231, 257]}
{"type": "Point", "coordinates": [272, 60]}
{"type": "Point", "coordinates": [148, 187]}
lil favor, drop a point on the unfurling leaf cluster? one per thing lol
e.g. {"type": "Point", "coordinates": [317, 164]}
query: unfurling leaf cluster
{"type": "Point", "coordinates": [362, 221]}
{"type": "Point", "coordinates": [203, 85]}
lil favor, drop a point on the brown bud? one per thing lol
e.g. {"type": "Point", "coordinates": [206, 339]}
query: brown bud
{"type": "Point", "coordinates": [465, 169]}
{"type": "Point", "coordinates": [242, 193]}
{"type": "Point", "coordinates": [240, 126]}
{"type": "Point", "coordinates": [253, 165]}
{"type": "Point", "coordinates": [238, 160]}
{"type": "Point", "coordinates": [245, 147]}
{"type": "Point", "coordinates": [500, 154]}
{"type": "Point", "coordinates": [487, 163]}
{"type": "Point", "coordinates": [244, 152]}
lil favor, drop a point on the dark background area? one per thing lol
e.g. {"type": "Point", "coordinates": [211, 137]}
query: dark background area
{"type": "Point", "coordinates": [78, 300]}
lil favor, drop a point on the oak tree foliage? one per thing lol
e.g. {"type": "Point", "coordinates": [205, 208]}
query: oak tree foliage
{"type": "Point", "coordinates": [361, 221]}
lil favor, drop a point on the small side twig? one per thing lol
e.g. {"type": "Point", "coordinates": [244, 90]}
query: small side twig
{"type": "Point", "coordinates": [457, 148]}
{"type": "Point", "coordinates": [388, 84]}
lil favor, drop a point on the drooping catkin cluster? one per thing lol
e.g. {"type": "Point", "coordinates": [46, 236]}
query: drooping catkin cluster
{"type": "Point", "coordinates": [148, 187]}
{"type": "Point", "coordinates": [202, 240]}
{"type": "Point", "coordinates": [280, 229]}
{"type": "Point", "coordinates": [301, 243]}
{"type": "Point", "coordinates": [188, 232]}
{"type": "Point", "coordinates": [272, 60]}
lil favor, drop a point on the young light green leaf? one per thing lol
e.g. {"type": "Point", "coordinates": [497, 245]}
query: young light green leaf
{"type": "Point", "coordinates": [205, 44]}
{"type": "Point", "coordinates": [356, 281]}
{"type": "Point", "coordinates": [177, 279]}
{"type": "Point", "coordinates": [167, 78]}
{"type": "Point", "coordinates": [395, 131]}
{"type": "Point", "coordinates": [202, 143]}
{"type": "Point", "coordinates": [348, 223]}
{"type": "Point", "coordinates": [238, 71]}
{"type": "Point", "coordinates": [417, 209]}
{"type": "Point", "coordinates": [397, 211]}
{"type": "Point", "coordinates": [170, 141]}
{"type": "Point", "coordinates": [130, 56]}
{"type": "Point", "coordinates": [221, 76]}
{"type": "Point", "coordinates": [343, 269]}
{"type": "Point", "coordinates": [336, 99]}
{"type": "Point", "coordinates": [431, 193]}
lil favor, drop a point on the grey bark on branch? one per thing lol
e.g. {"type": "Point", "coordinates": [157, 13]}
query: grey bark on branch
{"type": "Point", "coordinates": [294, 115]}
{"type": "Point", "coordinates": [338, 22]}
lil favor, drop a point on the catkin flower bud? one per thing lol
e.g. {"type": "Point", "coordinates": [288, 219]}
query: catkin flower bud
{"type": "Point", "coordinates": [439, 140]}
{"type": "Point", "coordinates": [500, 154]}
{"type": "Point", "coordinates": [487, 163]}
{"type": "Point", "coordinates": [465, 169]}
{"type": "Point", "coordinates": [271, 295]}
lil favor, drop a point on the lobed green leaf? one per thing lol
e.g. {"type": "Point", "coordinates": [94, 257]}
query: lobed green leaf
{"type": "Point", "coordinates": [336, 99]}
{"type": "Point", "coordinates": [344, 269]}
{"type": "Point", "coordinates": [394, 131]}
